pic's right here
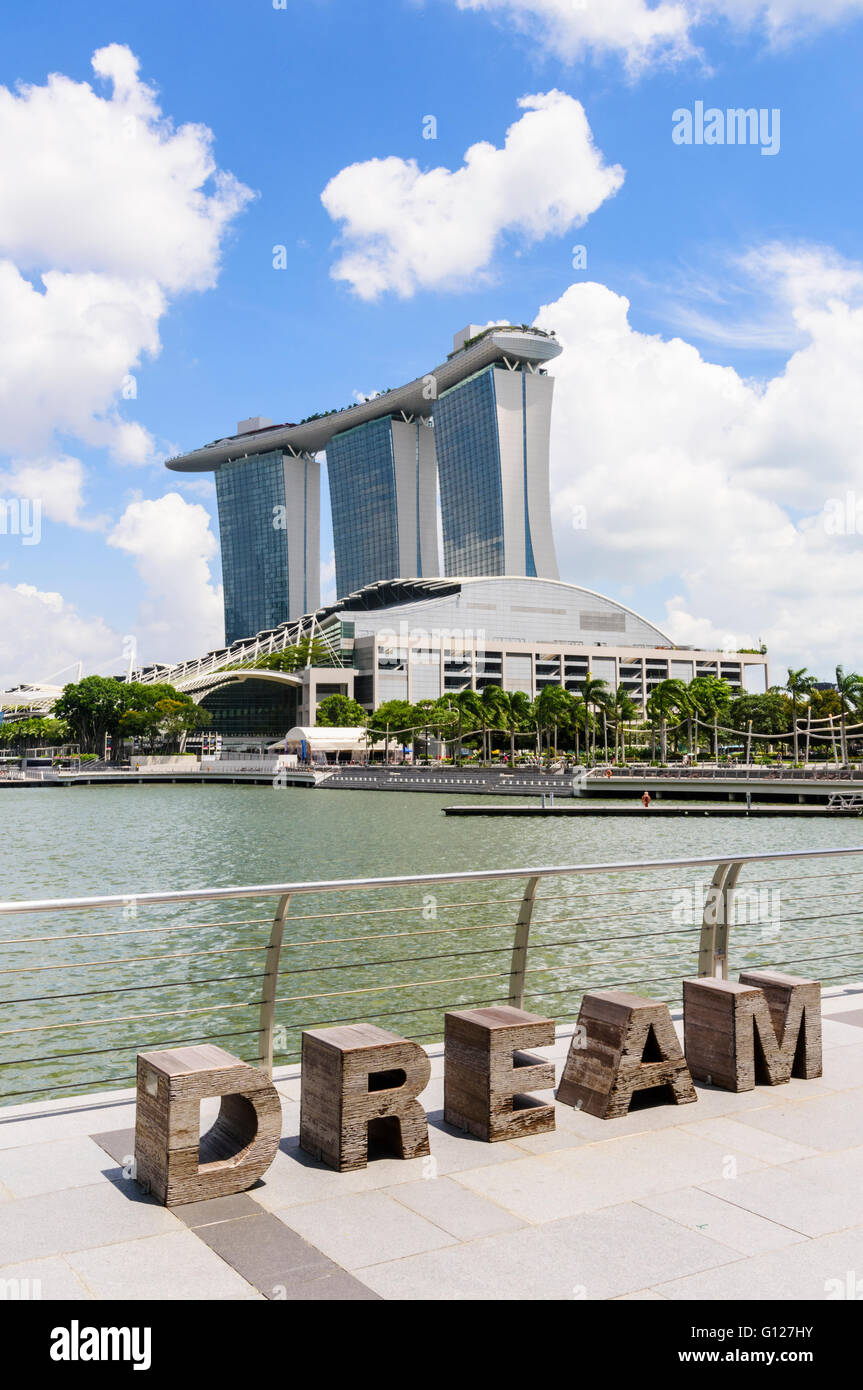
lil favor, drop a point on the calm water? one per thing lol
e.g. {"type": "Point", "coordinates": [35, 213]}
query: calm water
{"type": "Point", "coordinates": [101, 991]}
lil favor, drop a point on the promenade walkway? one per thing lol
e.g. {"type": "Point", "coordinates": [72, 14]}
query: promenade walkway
{"type": "Point", "coordinates": [751, 1196]}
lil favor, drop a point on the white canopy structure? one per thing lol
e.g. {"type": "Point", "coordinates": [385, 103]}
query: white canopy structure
{"type": "Point", "coordinates": [322, 740]}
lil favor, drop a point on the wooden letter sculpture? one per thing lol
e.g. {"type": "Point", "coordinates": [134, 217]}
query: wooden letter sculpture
{"type": "Point", "coordinates": [356, 1076]}
{"type": "Point", "coordinates": [485, 1076]}
{"type": "Point", "coordinates": [172, 1159]}
{"type": "Point", "coordinates": [765, 1028]}
{"type": "Point", "coordinates": [623, 1043]}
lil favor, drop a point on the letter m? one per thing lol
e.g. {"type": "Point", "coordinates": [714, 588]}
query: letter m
{"type": "Point", "coordinates": [786, 1025]}
{"type": "Point", "coordinates": [746, 122]}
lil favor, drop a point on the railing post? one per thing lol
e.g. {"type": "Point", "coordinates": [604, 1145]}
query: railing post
{"type": "Point", "coordinates": [718, 908]}
{"type": "Point", "coordinates": [720, 945]}
{"type": "Point", "coordinates": [518, 965]}
{"type": "Point", "coordinates": [269, 986]}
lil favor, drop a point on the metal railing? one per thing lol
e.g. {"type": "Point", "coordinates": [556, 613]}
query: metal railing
{"type": "Point", "coordinates": [144, 973]}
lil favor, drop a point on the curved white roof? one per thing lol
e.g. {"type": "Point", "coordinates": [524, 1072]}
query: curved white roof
{"type": "Point", "coordinates": [503, 608]}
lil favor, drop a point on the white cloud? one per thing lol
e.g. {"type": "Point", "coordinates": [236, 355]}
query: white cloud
{"type": "Point", "coordinates": [58, 486]}
{"type": "Point", "coordinates": [407, 229]}
{"type": "Point", "coordinates": [711, 488]}
{"type": "Point", "coordinates": [42, 636]}
{"type": "Point", "coordinates": [172, 544]}
{"type": "Point", "coordinates": [106, 211]}
{"type": "Point", "coordinates": [575, 28]}
{"type": "Point", "coordinates": [642, 33]}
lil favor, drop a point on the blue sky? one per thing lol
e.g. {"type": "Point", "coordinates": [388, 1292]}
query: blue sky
{"type": "Point", "coordinates": [742, 256]}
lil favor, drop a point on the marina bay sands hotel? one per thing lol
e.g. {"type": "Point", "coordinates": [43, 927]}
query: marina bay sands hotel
{"type": "Point", "coordinates": [477, 426]}
{"type": "Point", "coordinates": [468, 440]}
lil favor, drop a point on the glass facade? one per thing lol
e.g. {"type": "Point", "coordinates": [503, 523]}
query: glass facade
{"type": "Point", "coordinates": [468, 455]}
{"type": "Point", "coordinates": [255, 708]}
{"type": "Point", "coordinates": [254, 550]}
{"type": "Point", "coordinates": [361, 470]}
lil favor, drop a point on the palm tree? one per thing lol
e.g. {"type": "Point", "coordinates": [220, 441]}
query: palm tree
{"type": "Point", "coordinates": [710, 696]}
{"type": "Point", "coordinates": [799, 683]}
{"type": "Point", "coordinates": [554, 706]}
{"type": "Point", "coordinates": [514, 710]}
{"type": "Point", "coordinates": [471, 706]}
{"type": "Point", "coordinates": [592, 693]}
{"type": "Point", "coordinates": [669, 697]}
{"type": "Point", "coordinates": [850, 690]}
{"type": "Point", "coordinates": [621, 707]}
{"type": "Point", "coordinates": [495, 709]}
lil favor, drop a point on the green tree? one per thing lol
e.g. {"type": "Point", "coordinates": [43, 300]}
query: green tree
{"type": "Point", "coordinates": [93, 708]}
{"type": "Point", "coordinates": [593, 693]}
{"type": "Point", "coordinates": [309, 651]}
{"type": "Point", "coordinates": [799, 684]}
{"type": "Point", "coordinates": [30, 733]}
{"type": "Point", "coordinates": [622, 709]}
{"type": "Point", "coordinates": [768, 714]}
{"type": "Point", "coordinates": [340, 712]}
{"type": "Point", "coordinates": [667, 699]}
{"type": "Point", "coordinates": [849, 688]}
{"type": "Point", "coordinates": [100, 706]}
{"type": "Point", "coordinates": [710, 696]}
{"type": "Point", "coordinates": [555, 706]}
{"type": "Point", "coordinates": [398, 717]}
{"type": "Point", "coordinates": [495, 711]}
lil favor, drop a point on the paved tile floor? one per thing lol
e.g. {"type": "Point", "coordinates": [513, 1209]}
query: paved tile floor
{"type": "Point", "coordinates": [740, 1196]}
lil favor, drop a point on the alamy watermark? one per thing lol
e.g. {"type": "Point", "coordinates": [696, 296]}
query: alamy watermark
{"type": "Point", "coordinates": [425, 645]}
{"type": "Point", "coordinates": [21, 516]}
{"type": "Point", "coordinates": [843, 516]}
{"type": "Point", "coordinates": [733, 126]}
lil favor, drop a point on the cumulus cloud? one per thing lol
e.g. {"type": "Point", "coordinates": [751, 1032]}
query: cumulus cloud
{"type": "Point", "coordinates": [57, 485]}
{"type": "Point", "coordinates": [717, 490]}
{"type": "Point", "coordinates": [407, 229]}
{"type": "Point", "coordinates": [42, 637]}
{"type": "Point", "coordinates": [172, 544]}
{"type": "Point", "coordinates": [641, 33]}
{"type": "Point", "coordinates": [106, 212]}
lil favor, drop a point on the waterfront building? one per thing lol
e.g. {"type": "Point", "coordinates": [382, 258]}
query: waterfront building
{"type": "Point", "coordinates": [383, 498]}
{"type": "Point", "coordinates": [413, 639]}
{"type": "Point", "coordinates": [492, 439]}
{"type": "Point", "coordinates": [269, 528]}
{"type": "Point", "coordinates": [490, 405]}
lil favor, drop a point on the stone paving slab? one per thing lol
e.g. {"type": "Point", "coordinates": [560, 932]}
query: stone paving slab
{"type": "Point", "coordinates": [814, 1269]}
{"type": "Point", "coordinates": [78, 1219]}
{"type": "Point", "coordinates": [460, 1213]}
{"type": "Point", "coordinates": [136, 1269]}
{"type": "Point", "coordinates": [720, 1219]}
{"type": "Point", "coordinates": [543, 1187]}
{"type": "Point", "coordinates": [52, 1278]}
{"type": "Point", "coordinates": [594, 1255]}
{"type": "Point", "coordinates": [351, 1229]}
{"type": "Point", "coordinates": [795, 1197]}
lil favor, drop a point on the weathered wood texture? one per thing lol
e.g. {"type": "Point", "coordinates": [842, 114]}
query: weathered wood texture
{"type": "Point", "coordinates": [795, 1008]}
{"type": "Point", "coordinates": [172, 1159]}
{"type": "Point", "coordinates": [487, 1075]}
{"type": "Point", "coordinates": [354, 1077]}
{"type": "Point", "coordinates": [623, 1043]}
{"type": "Point", "coordinates": [766, 1027]}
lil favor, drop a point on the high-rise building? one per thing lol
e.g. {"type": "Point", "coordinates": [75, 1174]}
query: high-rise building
{"type": "Point", "coordinates": [383, 496]}
{"type": "Point", "coordinates": [481, 418]}
{"type": "Point", "coordinates": [269, 527]}
{"type": "Point", "coordinates": [491, 438]}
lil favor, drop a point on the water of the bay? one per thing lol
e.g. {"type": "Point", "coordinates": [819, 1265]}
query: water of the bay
{"type": "Point", "coordinates": [84, 991]}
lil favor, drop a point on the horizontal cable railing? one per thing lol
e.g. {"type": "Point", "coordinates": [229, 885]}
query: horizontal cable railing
{"type": "Point", "coordinates": [86, 983]}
